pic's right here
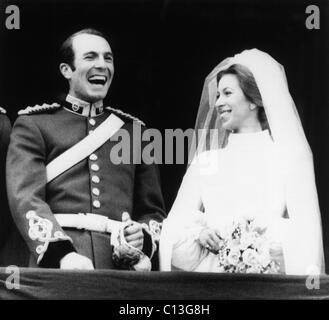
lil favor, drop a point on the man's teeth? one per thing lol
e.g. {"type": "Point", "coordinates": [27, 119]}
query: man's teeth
{"type": "Point", "coordinates": [97, 79]}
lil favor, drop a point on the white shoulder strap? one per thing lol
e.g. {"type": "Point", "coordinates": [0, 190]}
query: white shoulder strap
{"type": "Point", "coordinates": [84, 148]}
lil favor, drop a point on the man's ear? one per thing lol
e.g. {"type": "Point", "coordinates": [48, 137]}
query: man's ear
{"type": "Point", "coordinates": [65, 70]}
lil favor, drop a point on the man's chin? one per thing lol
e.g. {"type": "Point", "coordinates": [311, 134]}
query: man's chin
{"type": "Point", "coordinates": [94, 97]}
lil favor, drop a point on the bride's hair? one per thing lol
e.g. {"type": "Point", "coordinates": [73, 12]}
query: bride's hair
{"type": "Point", "coordinates": [249, 88]}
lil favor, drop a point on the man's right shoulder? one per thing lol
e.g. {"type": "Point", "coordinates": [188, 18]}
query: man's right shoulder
{"type": "Point", "coordinates": [34, 121]}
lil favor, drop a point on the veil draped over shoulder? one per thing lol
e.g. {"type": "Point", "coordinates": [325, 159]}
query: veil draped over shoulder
{"type": "Point", "coordinates": [302, 231]}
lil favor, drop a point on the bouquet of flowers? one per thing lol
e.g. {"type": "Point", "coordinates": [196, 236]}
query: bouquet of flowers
{"type": "Point", "coordinates": [245, 249]}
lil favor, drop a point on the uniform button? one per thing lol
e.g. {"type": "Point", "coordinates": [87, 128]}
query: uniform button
{"type": "Point", "coordinates": [93, 157]}
{"type": "Point", "coordinates": [94, 167]}
{"type": "Point", "coordinates": [96, 204]}
{"type": "Point", "coordinates": [96, 191]}
{"type": "Point", "coordinates": [95, 179]}
{"type": "Point", "coordinates": [92, 122]}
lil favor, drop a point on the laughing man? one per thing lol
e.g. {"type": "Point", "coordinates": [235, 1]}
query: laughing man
{"type": "Point", "coordinates": [74, 207]}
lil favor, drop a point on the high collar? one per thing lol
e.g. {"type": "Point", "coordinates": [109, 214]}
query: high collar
{"type": "Point", "coordinates": [249, 140]}
{"type": "Point", "coordinates": [83, 108]}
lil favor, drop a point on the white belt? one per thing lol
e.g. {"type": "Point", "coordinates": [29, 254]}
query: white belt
{"type": "Point", "coordinates": [91, 222]}
{"type": "Point", "coordinates": [96, 222]}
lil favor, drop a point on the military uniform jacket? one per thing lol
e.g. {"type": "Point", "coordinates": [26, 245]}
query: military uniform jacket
{"type": "Point", "coordinates": [94, 185]}
{"type": "Point", "coordinates": [5, 219]}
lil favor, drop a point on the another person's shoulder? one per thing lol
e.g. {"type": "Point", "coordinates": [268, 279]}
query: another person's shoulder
{"type": "Point", "coordinates": [126, 117]}
{"type": "Point", "coordinates": [2, 111]}
{"type": "Point", "coordinates": [5, 124]}
{"type": "Point", "coordinates": [3, 115]}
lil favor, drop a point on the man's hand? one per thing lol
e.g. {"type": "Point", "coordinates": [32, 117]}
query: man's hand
{"type": "Point", "coordinates": [133, 233]}
{"type": "Point", "coordinates": [77, 261]}
{"type": "Point", "coordinates": [210, 238]}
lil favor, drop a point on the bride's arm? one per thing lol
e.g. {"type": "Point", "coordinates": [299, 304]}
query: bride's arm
{"type": "Point", "coordinates": [303, 232]}
{"type": "Point", "coordinates": [183, 224]}
{"type": "Point", "coordinates": [188, 198]}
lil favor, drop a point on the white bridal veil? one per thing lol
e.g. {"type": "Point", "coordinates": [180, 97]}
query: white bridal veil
{"type": "Point", "coordinates": [302, 231]}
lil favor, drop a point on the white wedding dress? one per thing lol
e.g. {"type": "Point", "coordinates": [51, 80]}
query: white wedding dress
{"type": "Point", "coordinates": [245, 179]}
{"type": "Point", "coordinates": [267, 177]}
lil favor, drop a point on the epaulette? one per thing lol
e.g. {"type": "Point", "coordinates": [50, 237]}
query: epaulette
{"type": "Point", "coordinates": [39, 109]}
{"type": "Point", "coordinates": [2, 111]}
{"type": "Point", "coordinates": [127, 115]}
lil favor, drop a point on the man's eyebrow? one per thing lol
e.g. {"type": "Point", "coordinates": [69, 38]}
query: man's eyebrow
{"type": "Point", "coordinates": [107, 53]}
{"type": "Point", "coordinates": [89, 52]}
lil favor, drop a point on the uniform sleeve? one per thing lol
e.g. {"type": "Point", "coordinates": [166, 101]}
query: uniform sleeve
{"type": "Point", "coordinates": [5, 217]}
{"type": "Point", "coordinates": [148, 205]}
{"type": "Point", "coordinates": [26, 185]}
{"type": "Point", "coordinates": [149, 209]}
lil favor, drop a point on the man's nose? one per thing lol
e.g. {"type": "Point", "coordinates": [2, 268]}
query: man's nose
{"type": "Point", "coordinates": [100, 62]}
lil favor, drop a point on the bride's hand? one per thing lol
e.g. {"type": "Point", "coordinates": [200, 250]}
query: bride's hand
{"type": "Point", "coordinates": [210, 238]}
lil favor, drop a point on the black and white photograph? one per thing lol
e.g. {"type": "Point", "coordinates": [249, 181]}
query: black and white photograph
{"type": "Point", "coordinates": [164, 153]}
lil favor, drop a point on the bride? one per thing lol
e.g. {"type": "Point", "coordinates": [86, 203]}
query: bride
{"type": "Point", "coordinates": [252, 162]}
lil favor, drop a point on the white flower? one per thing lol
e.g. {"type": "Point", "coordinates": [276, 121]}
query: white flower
{"type": "Point", "coordinates": [247, 240]}
{"type": "Point", "coordinates": [264, 259]}
{"type": "Point", "coordinates": [245, 248]}
{"type": "Point", "coordinates": [233, 244]}
{"type": "Point", "coordinates": [234, 256]}
{"type": "Point", "coordinates": [250, 257]}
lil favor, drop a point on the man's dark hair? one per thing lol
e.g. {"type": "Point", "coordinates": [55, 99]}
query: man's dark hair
{"type": "Point", "coordinates": [66, 53]}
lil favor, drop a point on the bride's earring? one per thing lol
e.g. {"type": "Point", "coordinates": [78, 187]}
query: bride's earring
{"type": "Point", "coordinates": [252, 106]}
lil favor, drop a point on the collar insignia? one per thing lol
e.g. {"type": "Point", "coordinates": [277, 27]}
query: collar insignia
{"type": "Point", "coordinates": [83, 108]}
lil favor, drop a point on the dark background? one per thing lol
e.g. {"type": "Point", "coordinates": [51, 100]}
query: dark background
{"type": "Point", "coordinates": [163, 51]}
